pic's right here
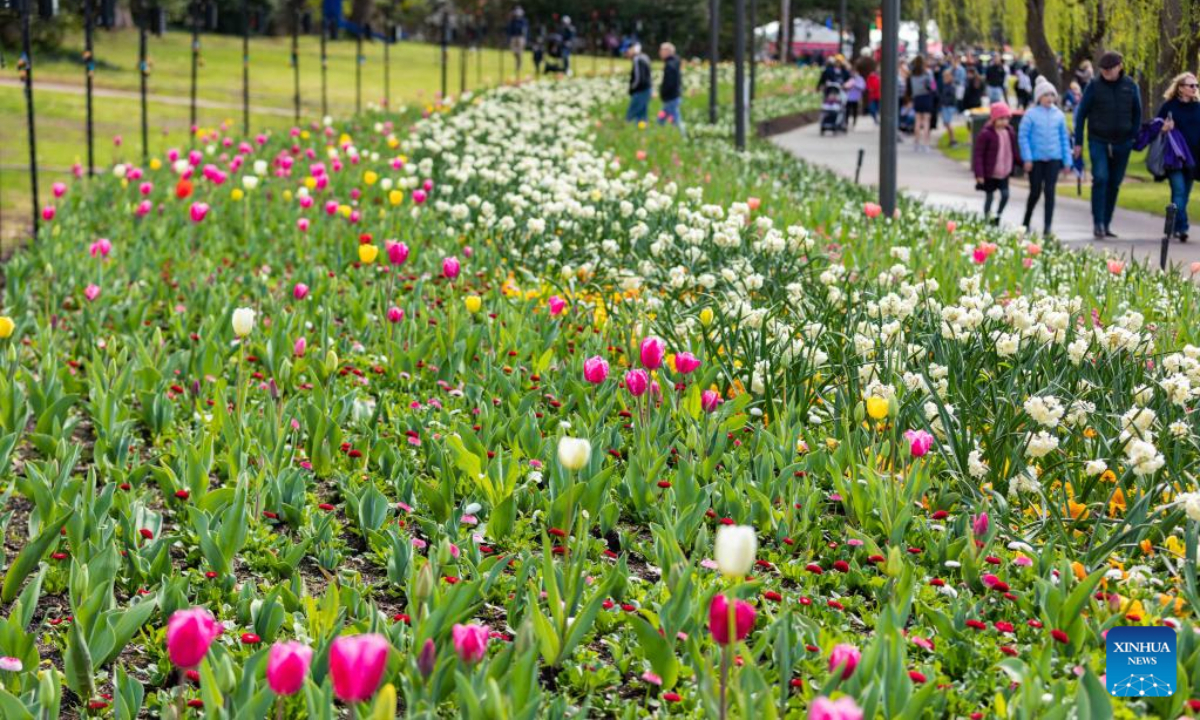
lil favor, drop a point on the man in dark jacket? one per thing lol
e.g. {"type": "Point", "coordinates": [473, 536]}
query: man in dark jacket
{"type": "Point", "coordinates": [1112, 109]}
{"type": "Point", "coordinates": [518, 28]}
{"type": "Point", "coordinates": [639, 84]}
{"type": "Point", "coordinates": [671, 89]}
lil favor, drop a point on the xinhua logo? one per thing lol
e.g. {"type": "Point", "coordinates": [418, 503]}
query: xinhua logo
{"type": "Point", "coordinates": [1140, 661]}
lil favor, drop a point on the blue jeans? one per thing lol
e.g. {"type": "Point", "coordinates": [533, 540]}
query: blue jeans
{"type": "Point", "coordinates": [639, 106]}
{"type": "Point", "coordinates": [670, 111]}
{"type": "Point", "coordinates": [1181, 190]}
{"type": "Point", "coordinates": [996, 94]}
{"type": "Point", "coordinates": [1109, 161]}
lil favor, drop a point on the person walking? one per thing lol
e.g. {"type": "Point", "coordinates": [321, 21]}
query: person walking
{"type": "Point", "coordinates": [947, 94]}
{"type": "Point", "coordinates": [922, 89]}
{"type": "Point", "coordinates": [1181, 111]}
{"type": "Point", "coordinates": [568, 39]}
{"type": "Point", "coordinates": [874, 93]}
{"type": "Point", "coordinates": [1024, 87]}
{"type": "Point", "coordinates": [1046, 148]}
{"type": "Point", "coordinates": [996, 77]}
{"type": "Point", "coordinates": [995, 155]}
{"type": "Point", "coordinates": [518, 31]}
{"type": "Point", "coordinates": [670, 91]}
{"type": "Point", "coordinates": [1111, 108]}
{"type": "Point", "coordinates": [639, 84]}
{"type": "Point", "coordinates": [856, 87]}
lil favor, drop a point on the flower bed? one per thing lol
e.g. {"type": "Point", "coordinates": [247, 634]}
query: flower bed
{"type": "Point", "coordinates": [521, 409]}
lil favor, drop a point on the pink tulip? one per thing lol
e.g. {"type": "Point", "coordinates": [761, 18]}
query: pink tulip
{"type": "Point", "coordinates": [397, 253]}
{"type": "Point", "coordinates": [189, 635]}
{"type": "Point", "coordinates": [1195, 267]}
{"type": "Point", "coordinates": [652, 352]}
{"type": "Point", "coordinates": [470, 642]}
{"type": "Point", "coordinates": [951, 226]}
{"type": "Point", "coordinates": [427, 185]}
{"type": "Point", "coordinates": [59, 189]}
{"type": "Point", "coordinates": [355, 216]}
{"type": "Point", "coordinates": [302, 225]}
{"type": "Point", "coordinates": [306, 201]}
{"type": "Point", "coordinates": [300, 291]}
{"type": "Point", "coordinates": [287, 667]}
{"type": "Point", "coordinates": [418, 196]}
{"type": "Point", "coordinates": [557, 305]}
{"type": "Point", "coordinates": [450, 268]}
{"type": "Point", "coordinates": [299, 347]}
{"type": "Point", "coordinates": [48, 213]}
{"type": "Point", "coordinates": [685, 362]}
{"type": "Point", "coordinates": [872, 210]}
{"type": "Point", "coordinates": [980, 524]}
{"type": "Point", "coordinates": [144, 208]}
{"type": "Point", "coordinates": [636, 382]}
{"type": "Point", "coordinates": [846, 657]}
{"type": "Point", "coordinates": [331, 207]}
{"type": "Point", "coordinates": [979, 255]}
{"type": "Point", "coordinates": [844, 708]}
{"type": "Point", "coordinates": [101, 248]}
{"type": "Point", "coordinates": [395, 314]}
{"type": "Point", "coordinates": [595, 370]}
{"type": "Point", "coordinates": [198, 211]}
{"type": "Point", "coordinates": [718, 619]}
{"type": "Point", "coordinates": [91, 292]}
{"type": "Point", "coordinates": [173, 154]}
{"type": "Point", "coordinates": [146, 188]}
{"type": "Point", "coordinates": [195, 157]}
{"type": "Point", "coordinates": [919, 442]}
{"type": "Point", "coordinates": [753, 203]}
{"type": "Point", "coordinates": [1115, 266]}
{"type": "Point", "coordinates": [709, 400]}
{"type": "Point", "coordinates": [356, 664]}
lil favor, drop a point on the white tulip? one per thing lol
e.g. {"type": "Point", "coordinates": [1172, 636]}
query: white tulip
{"type": "Point", "coordinates": [243, 321]}
{"type": "Point", "coordinates": [735, 549]}
{"type": "Point", "coordinates": [260, 167]}
{"type": "Point", "coordinates": [574, 453]}
{"type": "Point", "coordinates": [249, 181]}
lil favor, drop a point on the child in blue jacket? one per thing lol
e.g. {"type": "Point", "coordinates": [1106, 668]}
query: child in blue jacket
{"type": "Point", "coordinates": [1046, 148]}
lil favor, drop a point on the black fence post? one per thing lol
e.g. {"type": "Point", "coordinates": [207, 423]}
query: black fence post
{"type": "Point", "coordinates": [1168, 231]}
{"type": "Point", "coordinates": [246, 67]}
{"type": "Point", "coordinates": [296, 62]}
{"type": "Point", "coordinates": [144, 71]}
{"type": "Point", "coordinates": [324, 68]}
{"type": "Point", "coordinates": [445, 49]}
{"type": "Point", "coordinates": [462, 59]}
{"type": "Point", "coordinates": [26, 68]}
{"type": "Point", "coordinates": [358, 63]}
{"type": "Point", "coordinates": [387, 66]}
{"type": "Point", "coordinates": [196, 10]}
{"type": "Point", "coordinates": [89, 65]}
{"type": "Point", "coordinates": [858, 167]}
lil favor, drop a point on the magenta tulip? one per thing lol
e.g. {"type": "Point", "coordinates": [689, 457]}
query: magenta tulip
{"type": "Point", "coordinates": [59, 189]}
{"type": "Point", "coordinates": [653, 350]}
{"type": "Point", "coordinates": [685, 362]}
{"type": "Point", "coordinates": [395, 314]}
{"type": "Point", "coordinates": [300, 291]}
{"type": "Point", "coordinates": [302, 224]}
{"type": "Point", "coordinates": [636, 382]}
{"type": "Point", "coordinates": [101, 248]}
{"type": "Point", "coordinates": [427, 660]}
{"type": "Point", "coordinates": [356, 664]}
{"type": "Point", "coordinates": [189, 635]}
{"type": "Point", "coordinates": [144, 208]}
{"type": "Point", "coordinates": [451, 268]}
{"type": "Point", "coordinates": [846, 657]}
{"type": "Point", "coordinates": [980, 524]}
{"type": "Point", "coordinates": [709, 400]}
{"type": "Point", "coordinates": [557, 305]}
{"type": "Point", "coordinates": [48, 213]}
{"type": "Point", "coordinates": [418, 196]}
{"type": "Point", "coordinates": [844, 708]}
{"type": "Point", "coordinates": [300, 346]}
{"type": "Point", "coordinates": [397, 253]}
{"type": "Point", "coordinates": [287, 667]}
{"type": "Point", "coordinates": [91, 292]}
{"type": "Point", "coordinates": [718, 619]}
{"type": "Point", "coordinates": [198, 211]}
{"type": "Point", "coordinates": [470, 642]}
{"type": "Point", "coordinates": [919, 442]}
{"type": "Point", "coordinates": [595, 370]}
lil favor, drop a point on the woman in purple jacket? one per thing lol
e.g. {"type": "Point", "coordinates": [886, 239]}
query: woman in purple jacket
{"type": "Point", "coordinates": [993, 158]}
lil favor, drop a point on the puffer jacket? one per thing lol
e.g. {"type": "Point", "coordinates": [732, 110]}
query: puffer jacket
{"type": "Point", "coordinates": [1043, 135]}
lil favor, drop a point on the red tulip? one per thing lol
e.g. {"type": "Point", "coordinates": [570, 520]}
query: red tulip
{"type": "Point", "coordinates": [718, 619]}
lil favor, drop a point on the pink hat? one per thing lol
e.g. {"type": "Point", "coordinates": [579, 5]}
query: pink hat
{"type": "Point", "coordinates": [1000, 110]}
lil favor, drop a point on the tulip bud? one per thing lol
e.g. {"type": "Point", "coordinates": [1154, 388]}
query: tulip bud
{"type": "Point", "coordinates": [574, 453]}
{"type": "Point", "coordinates": [424, 585]}
{"type": "Point", "coordinates": [895, 563]}
{"type": "Point", "coordinates": [734, 549]}
{"type": "Point", "coordinates": [706, 316]}
{"type": "Point", "coordinates": [473, 303]}
{"type": "Point", "coordinates": [331, 361]}
{"type": "Point", "coordinates": [427, 659]}
{"type": "Point", "coordinates": [243, 321]}
{"type": "Point", "coordinates": [470, 642]}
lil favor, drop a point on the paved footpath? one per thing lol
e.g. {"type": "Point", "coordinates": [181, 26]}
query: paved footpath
{"type": "Point", "coordinates": [948, 183]}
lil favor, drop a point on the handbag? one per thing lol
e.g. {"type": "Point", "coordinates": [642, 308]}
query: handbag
{"type": "Point", "coordinates": [1156, 163]}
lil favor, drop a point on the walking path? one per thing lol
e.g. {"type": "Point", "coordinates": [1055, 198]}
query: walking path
{"type": "Point", "coordinates": [179, 100]}
{"type": "Point", "coordinates": [947, 183]}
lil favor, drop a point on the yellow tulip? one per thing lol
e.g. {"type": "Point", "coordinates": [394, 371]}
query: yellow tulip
{"type": "Point", "coordinates": [367, 253]}
{"type": "Point", "coordinates": [473, 303]}
{"type": "Point", "coordinates": [304, 135]}
{"type": "Point", "coordinates": [370, 177]}
{"type": "Point", "coordinates": [155, 164]}
{"type": "Point", "coordinates": [236, 194]}
{"type": "Point", "coordinates": [310, 183]}
{"type": "Point", "coordinates": [345, 210]}
{"type": "Point", "coordinates": [6, 327]}
{"type": "Point", "coordinates": [877, 407]}
{"type": "Point", "coordinates": [287, 195]}
{"type": "Point", "coordinates": [706, 316]}
{"type": "Point", "coordinates": [395, 197]}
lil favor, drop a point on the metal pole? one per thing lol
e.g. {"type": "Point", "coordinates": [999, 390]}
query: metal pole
{"type": "Point", "coordinates": [753, 46]}
{"type": "Point", "coordinates": [358, 63]}
{"type": "Point", "coordinates": [246, 67]}
{"type": "Point", "coordinates": [783, 39]}
{"type": "Point", "coordinates": [462, 64]}
{"type": "Point", "coordinates": [196, 10]}
{"type": "Point", "coordinates": [842, 27]}
{"type": "Point", "coordinates": [90, 70]}
{"type": "Point", "coordinates": [714, 32]}
{"type": "Point", "coordinates": [324, 68]}
{"type": "Point", "coordinates": [890, 110]}
{"type": "Point", "coordinates": [387, 69]}
{"type": "Point", "coordinates": [1168, 231]}
{"type": "Point", "coordinates": [739, 74]}
{"type": "Point", "coordinates": [144, 71]}
{"type": "Point", "coordinates": [478, 45]}
{"type": "Point", "coordinates": [858, 166]}
{"type": "Point", "coordinates": [27, 58]}
{"type": "Point", "coordinates": [445, 50]}
{"type": "Point", "coordinates": [296, 61]}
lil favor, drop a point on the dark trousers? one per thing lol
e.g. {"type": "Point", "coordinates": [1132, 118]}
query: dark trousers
{"type": "Point", "coordinates": [991, 187]}
{"type": "Point", "coordinates": [1043, 179]}
{"type": "Point", "coordinates": [852, 112]}
{"type": "Point", "coordinates": [1109, 161]}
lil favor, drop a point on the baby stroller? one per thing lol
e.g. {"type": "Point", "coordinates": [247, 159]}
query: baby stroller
{"type": "Point", "coordinates": [833, 109]}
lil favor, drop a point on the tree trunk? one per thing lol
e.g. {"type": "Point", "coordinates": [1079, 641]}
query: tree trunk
{"type": "Point", "coordinates": [1172, 45]}
{"type": "Point", "coordinates": [360, 11]}
{"type": "Point", "coordinates": [860, 26]}
{"type": "Point", "coordinates": [1035, 34]}
{"type": "Point", "coordinates": [783, 38]}
{"type": "Point", "coordinates": [1088, 45]}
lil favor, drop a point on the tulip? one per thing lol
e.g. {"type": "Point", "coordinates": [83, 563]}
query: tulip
{"type": "Point", "coordinates": [718, 619]}
{"type": "Point", "coordinates": [574, 453]}
{"type": "Point", "coordinates": [427, 659]}
{"type": "Point", "coordinates": [397, 253]}
{"type": "Point", "coordinates": [595, 370]}
{"type": "Point", "coordinates": [1115, 266]}
{"type": "Point", "coordinates": [637, 382]}
{"type": "Point", "coordinates": [198, 211]}
{"type": "Point", "coordinates": [557, 305]}
{"type": "Point", "coordinates": [844, 708]}
{"type": "Point", "coordinates": [144, 208]}
{"type": "Point", "coordinates": [473, 303]}
{"type": "Point", "coordinates": [146, 188]}
{"type": "Point", "coordinates": [6, 327]}
{"type": "Point", "coordinates": [302, 224]}
{"type": "Point", "coordinates": [709, 400]}
{"type": "Point", "coordinates": [951, 226]}
{"type": "Point", "coordinates": [367, 253]}
{"type": "Point", "coordinates": [652, 352]}
{"type": "Point", "coordinates": [980, 524]}
{"type": "Point", "coordinates": [846, 657]}
{"type": "Point", "coordinates": [1195, 267]}
{"type": "Point", "coordinates": [419, 196]}
{"type": "Point", "coordinates": [299, 347]}
{"type": "Point", "coordinates": [101, 248]}
{"type": "Point", "coordinates": [11, 664]}
{"type": "Point", "coordinates": [243, 321]}
{"type": "Point", "coordinates": [451, 268]}
{"type": "Point", "coordinates": [470, 642]}
{"type": "Point", "coordinates": [706, 316]}
{"type": "Point", "coordinates": [872, 210]}
{"type": "Point", "coordinates": [877, 407]}
{"type": "Point", "coordinates": [734, 549]}
{"type": "Point", "coordinates": [189, 635]}
{"type": "Point", "coordinates": [685, 362]}
{"type": "Point", "coordinates": [287, 667]}
{"type": "Point", "coordinates": [753, 203]}
{"type": "Point", "coordinates": [356, 664]}
{"type": "Point", "coordinates": [300, 291]}
{"type": "Point", "coordinates": [59, 189]}
{"type": "Point", "coordinates": [919, 442]}
{"type": "Point", "coordinates": [395, 314]}
{"type": "Point", "coordinates": [48, 213]}
{"type": "Point", "coordinates": [91, 292]}
{"type": "Point", "coordinates": [979, 255]}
